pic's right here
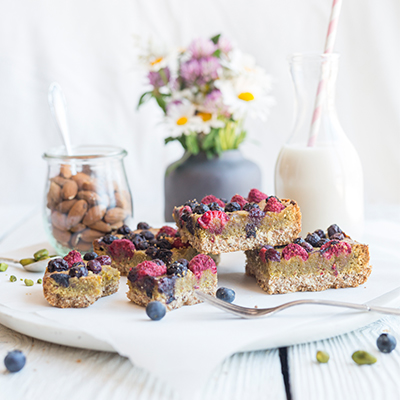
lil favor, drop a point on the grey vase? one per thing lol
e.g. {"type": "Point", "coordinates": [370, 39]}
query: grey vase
{"type": "Point", "coordinates": [199, 176]}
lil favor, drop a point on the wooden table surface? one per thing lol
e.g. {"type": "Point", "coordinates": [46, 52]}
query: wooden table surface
{"type": "Point", "coordinates": [58, 372]}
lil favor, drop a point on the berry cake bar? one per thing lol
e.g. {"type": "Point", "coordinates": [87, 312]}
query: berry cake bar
{"type": "Point", "coordinates": [129, 248]}
{"type": "Point", "coordinates": [215, 226]}
{"type": "Point", "coordinates": [174, 284]}
{"type": "Point", "coordinates": [321, 261]}
{"type": "Point", "coordinates": [73, 282]}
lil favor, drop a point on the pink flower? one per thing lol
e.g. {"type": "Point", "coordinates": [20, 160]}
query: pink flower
{"type": "Point", "coordinates": [213, 103]}
{"type": "Point", "coordinates": [159, 78]}
{"type": "Point", "coordinates": [202, 47]}
{"type": "Point", "coordinates": [224, 45]}
{"type": "Point", "coordinates": [200, 71]}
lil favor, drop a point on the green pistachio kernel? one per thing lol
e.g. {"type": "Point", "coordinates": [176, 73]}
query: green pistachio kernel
{"type": "Point", "coordinates": [362, 357]}
{"type": "Point", "coordinates": [28, 282]}
{"type": "Point", "coordinates": [39, 281]}
{"type": "Point", "coordinates": [27, 261]}
{"type": "Point", "coordinates": [322, 357]}
{"type": "Point", "coordinates": [40, 254]}
{"type": "Point", "coordinates": [3, 267]}
{"type": "Point", "coordinates": [13, 278]}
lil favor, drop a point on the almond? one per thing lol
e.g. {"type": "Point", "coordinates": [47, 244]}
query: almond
{"type": "Point", "coordinates": [84, 246]}
{"type": "Point", "coordinates": [59, 220]}
{"type": "Point", "coordinates": [88, 235]}
{"type": "Point", "coordinates": [94, 214]}
{"type": "Point", "coordinates": [65, 171]}
{"type": "Point", "coordinates": [114, 215]}
{"type": "Point", "coordinates": [78, 228]}
{"type": "Point", "coordinates": [75, 238]}
{"type": "Point", "coordinates": [69, 190]}
{"type": "Point", "coordinates": [92, 198]}
{"type": "Point", "coordinates": [59, 180]}
{"type": "Point", "coordinates": [80, 178]}
{"type": "Point", "coordinates": [92, 185]}
{"type": "Point", "coordinates": [66, 205]}
{"type": "Point", "coordinates": [117, 225]}
{"type": "Point", "coordinates": [76, 213]}
{"type": "Point", "coordinates": [101, 226]}
{"type": "Point", "coordinates": [54, 194]}
{"type": "Point", "coordinates": [121, 201]}
{"type": "Point", "coordinates": [61, 236]}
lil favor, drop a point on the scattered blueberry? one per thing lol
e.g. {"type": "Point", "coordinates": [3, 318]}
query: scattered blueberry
{"type": "Point", "coordinates": [15, 360]}
{"type": "Point", "coordinates": [250, 206]}
{"type": "Point", "coordinates": [334, 229]}
{"type": "Point", "coordinates": [386, 343]}
{"type": "Point", "coordinates": [201, 209]}
{"type": "Point", "coordinates": [225, 294]}
{"type": "Point", "coordinates": [108, 239]}
{"type": "Point", "coordinates": [90, 256]}
{"type": "Point", "coordinates": [232, 207]}
{"type": "Point", "coordinates": [94, 266]}
{"type": "Point", "coordinates": [124, 230]}
{"type": "Point", "coordinates": [313, 239]}
{"type": "Point", "coordinates": [61, 279]}
{"type": "Point", "coordinates": [143, 225]}
{"type": "Point", "coordinates": [57, 264]}
{"type": "Point", "coordinates": [78, 271]}
{"type": "Point", "coordinates": [147, 235]}
{"type": "Point", "coordinates": [177, 268]}
{"type": "Point", "coordinates": [155, 310]}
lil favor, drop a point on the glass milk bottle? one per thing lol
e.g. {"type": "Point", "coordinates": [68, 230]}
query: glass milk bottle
{"type": "Point", "coordinates": [322, 172]}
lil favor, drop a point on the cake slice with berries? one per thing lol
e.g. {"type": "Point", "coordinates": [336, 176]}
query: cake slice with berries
{"type": "Point", "coordinates": [322, 261]}
{"type": "Point", "coordinates": [172, 284]}
{"type": "Point", "coordinates": [128, 248]}
{"type": "Point", "coordinates": [213, 226]}
{"type": "Point", "coordinates": [73, 282]}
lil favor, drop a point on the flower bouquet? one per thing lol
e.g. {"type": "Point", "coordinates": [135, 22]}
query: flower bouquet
{"type": "Point", "coordinates": [205, 92]}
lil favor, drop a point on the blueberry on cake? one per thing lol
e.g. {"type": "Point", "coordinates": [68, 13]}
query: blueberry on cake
{"type": "Point", "coordinates": [213, 226]}
{"type": "Point", "coordinates": [73, 282]}
{"type": "Point", "coordinates": [323, 260]}
{"type": "Point", "coordinates": [128, 248]}
{"type": "Point", "coordinates": [173, 284]}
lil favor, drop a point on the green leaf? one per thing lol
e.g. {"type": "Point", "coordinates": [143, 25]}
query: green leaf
{"type": "Point", "coordinates": [143, 98]}
{"type": "Point", "coordinates": [215, 38]}
{"type": "Point", "coordinates": [217, 53]}
{"type": "Point", "coordinates": [161, 102]}
{"type": "Point", "coordinates": [192, 144]}
{"type": "Point", "coordinates": [170, 139]}
{"type": "Point", "coordinates": [209, 140]}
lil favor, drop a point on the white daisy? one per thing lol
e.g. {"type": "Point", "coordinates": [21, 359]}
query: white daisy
{"type": "Point", "coordinates": [208, 121]}
{"type": "Point", "coordinates": [181, 119]}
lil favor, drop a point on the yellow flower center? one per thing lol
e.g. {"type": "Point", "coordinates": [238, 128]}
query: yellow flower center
{"type": "Point", "coordinates": [246, 96]}
{"type": "Point", "coordinates": [204, 116]}
{"type": "Point", "coordinates": [156, 61]}
{"type": "Point", "coordinates": [182, 121]}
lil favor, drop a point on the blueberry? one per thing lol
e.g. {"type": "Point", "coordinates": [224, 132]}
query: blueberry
{"type": "Point", "coordinates": [305, 245]}
{"type": "Point", "coordinates": [201, 209]}
{"type": "Point", "coordinates": [184, 262]}
{"type": "Point", "coordinates": [334, 229]}
{"type": "Point", "coordinates": [192, 204]}
{"type": "Point", "coordinates": [158, 261]}
{"type": "Point", "coordinates": [250, 231]}
{"type": "Point", "coordinates": [337, 236]}
{"type": "Point", "coordinates": [136, 239]}
{"type": "Point", "coordinates": [321, 242]}
{"type": "Point", "coordinates": [155, 310]}
{"type": "Point", "coordinates": [386, 343]}
{"type": "Point", "coordinates": [151, 252]}
{"type": "Point", "coordinates": [78, 271]}
{"type": "Point", "coordinates": [313, 239]}
{"type": "Point", "coordinates": [250, 206]}
{"type": "Point", "coordinates": [232, 207]}
{"type": "Point", "coordinates": [164, 255]}
{"type": "Point", "coordinates": [185, 216]}
{"type": "Point", "coordinates": [108, 239]}
{"type": "Point", "coordinates": [58, 264]}
{"type": "Point", "coordinates": [143, 225]}
{"type": "Point", "coordinates": [124, 230]}
{"type": "Point", "coordinates": [320, 233]}
{"type": "Point", "coordinates": [144, 245]}
{"type": "Point", "coordinates": [215, 207]}
{"type": "Point", "coordinates": [94, 266]}
{"type": "Point", "coordinates": [225, 294]}
{"type": "Point", "coordinates": [90, 256]}
{"type": "Point", "coordinates": [147, 235]}
{"type": "Point", "coordinates": [164, 244]}
{"type": "Point", "coordinates": [104, 260]}
{"type": "Point", "coordinates": [223, 200]}
{"type": "Point", "coordinates": [273, 255]}
{"type": "Point", "coordinates": [61, 279]}
{"type": "Point", "coordinates": [15, 360]}
{"type": "Point", "coordinates": [177, 268]}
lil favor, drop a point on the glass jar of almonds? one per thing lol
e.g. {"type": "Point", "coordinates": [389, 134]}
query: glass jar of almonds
{"type": "Point", "coordinates": [86, 196]}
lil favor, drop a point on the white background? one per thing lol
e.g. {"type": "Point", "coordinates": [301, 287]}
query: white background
{"type": "Point", "coordinates": [87, 47]}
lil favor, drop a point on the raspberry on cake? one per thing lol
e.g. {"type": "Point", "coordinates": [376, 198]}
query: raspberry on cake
{"type": "Point", "coordinates": [322, 261]}
{"type": "Point", "coordinates": [174, 284]}
{"type": "Point", "coordinates": [128, 248]}
{"type": "Point", "coordinates": [241, 225]}
{"type": "Point", "coordinates": [73, 282]}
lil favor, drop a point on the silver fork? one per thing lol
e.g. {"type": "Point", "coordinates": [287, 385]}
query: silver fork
{"type": "Point", "coordinates": [246, 312]}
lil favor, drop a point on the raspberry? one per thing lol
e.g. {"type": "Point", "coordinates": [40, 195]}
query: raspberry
{"type": "Point", "coordinates": [333, 247]}
{"type": "Point", "coordinates": [293, 250]}
{"type": "Point", "coordinates": [239, 199]}
{"type": "Point", "coordinates": [255, 196]}
{"type": "Point", "coordinates": [166, 231]}
{"type": "Point", "coordinates": [214, 221]}
{"type": "Point", "coordinates": [268, 253]}
{"type": "Point", "coordinates": [150, 268]}
{"type": "Point", "coordinates": [104, 260]}
{"type": "Point", "coordinates": [202, 263]}
{"type": "Point", "coordinates": [212, 199]}
{"type": "Point", "coordinates": [178, 244]}
{"type": "Point", "coordinates": [273, 205]}
{"type": "Point", "coordinates": [72, 257]}
{"type": "Point", "coordinates": [122, 248]}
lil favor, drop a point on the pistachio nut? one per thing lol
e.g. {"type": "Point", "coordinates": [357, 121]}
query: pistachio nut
{"type": "Point", "coordinates": [27, 261]}
{"type": "Point", "coordinates": [362, 357]}
{"type": "Point", "coordinates": [322, 357]}
{"type": "Point", "coordinates": [3, 267]}
{"type": "Point", "coordinates": [41, 254]}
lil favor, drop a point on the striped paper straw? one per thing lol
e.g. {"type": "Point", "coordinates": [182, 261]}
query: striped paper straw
{"type": "Point", "coordinates": [329, 43]}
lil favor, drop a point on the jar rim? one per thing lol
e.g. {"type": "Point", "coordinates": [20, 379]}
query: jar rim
{"type": "Point", "coordinates": [85, 152]}
{"type": "Point", "coordinates": [318, 57]}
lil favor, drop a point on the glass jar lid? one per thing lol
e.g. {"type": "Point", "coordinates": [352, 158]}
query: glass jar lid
{"type": "Point", "coordinates": [85, 152]}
